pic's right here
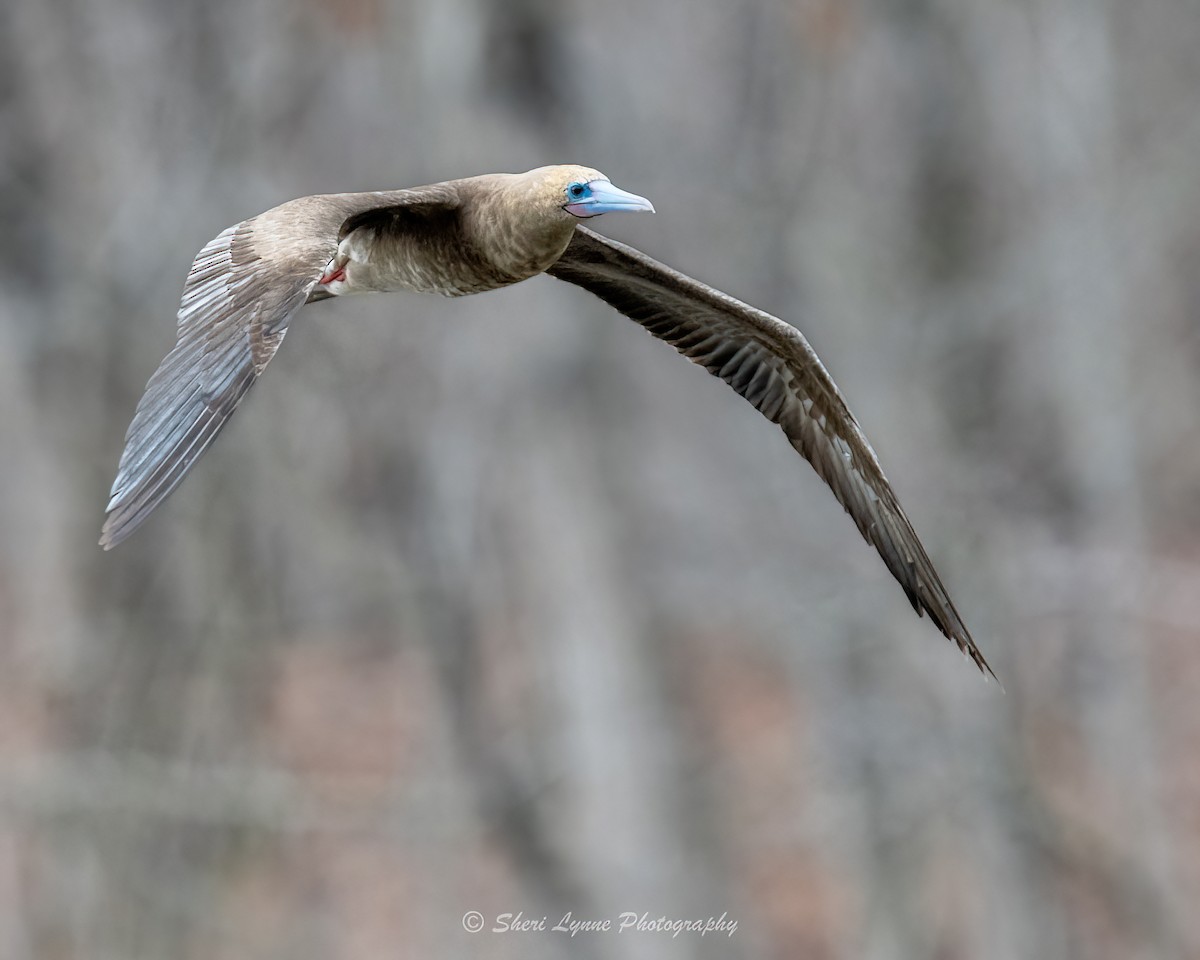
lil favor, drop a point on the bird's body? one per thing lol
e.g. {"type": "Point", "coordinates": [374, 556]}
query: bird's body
{"type": "Point", "coordinates": [470, 236]}
{"type": "Point", "coordinates": [454, 239]}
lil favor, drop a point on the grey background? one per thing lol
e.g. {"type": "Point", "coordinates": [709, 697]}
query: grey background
{"type": "Point", "coordinates": [497, 604]}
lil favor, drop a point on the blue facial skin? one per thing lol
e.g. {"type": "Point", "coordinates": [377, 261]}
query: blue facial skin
{"type": "Point", "coordinates": [599, 196]}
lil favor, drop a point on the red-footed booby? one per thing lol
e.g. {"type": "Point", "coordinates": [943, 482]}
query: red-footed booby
{"type": "Point", "coordinates": [469, 236]}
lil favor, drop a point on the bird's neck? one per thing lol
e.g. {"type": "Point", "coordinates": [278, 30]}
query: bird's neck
{"type": "Point", "coordinates": [519, 242]}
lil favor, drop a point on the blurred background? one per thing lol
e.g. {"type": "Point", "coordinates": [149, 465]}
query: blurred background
{"type": "Point", "coordinates": [496, 604]}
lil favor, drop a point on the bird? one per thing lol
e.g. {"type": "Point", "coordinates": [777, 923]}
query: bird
{"type": "Point", "coordinates": [469, 236]}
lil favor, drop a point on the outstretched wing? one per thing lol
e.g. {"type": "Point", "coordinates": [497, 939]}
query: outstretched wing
{"type": "Point", "coordinates": [770, 363]}
{"type": "Point", "coordinates": [238, 299]}
{"type": "Point", "coordinates": [236, 305]}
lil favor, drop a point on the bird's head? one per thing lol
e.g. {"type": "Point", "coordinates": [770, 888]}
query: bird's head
{"type": "Point", "coordinates": [580, 192]}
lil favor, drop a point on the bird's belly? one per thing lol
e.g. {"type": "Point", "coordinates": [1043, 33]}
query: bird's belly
{"type": "Point", "coordinates": [448, 280]}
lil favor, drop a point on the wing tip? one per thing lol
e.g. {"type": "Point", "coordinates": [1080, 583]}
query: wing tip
{"type": "Point", "coordinates": [110, 535]}
{"type": "Point", "coordinates": [985, 668]}
{"type": "Point", "coordinates": [975, 655]}
{"type": "Point", "coordinates": [954, 630]}
{"type": "Point", "coordinates": [119, 525]}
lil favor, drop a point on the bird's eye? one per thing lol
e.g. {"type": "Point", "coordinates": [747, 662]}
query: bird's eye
{"type": "Point", "coordinates": [576, 191]}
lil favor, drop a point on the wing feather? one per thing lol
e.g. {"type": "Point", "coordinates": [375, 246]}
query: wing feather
{"type": "Point", "coordinates": [235, 308]}
{"type": "Point", "coordinates": [770, 363]}
{"type": "Point", "coordinates": [233, 316]}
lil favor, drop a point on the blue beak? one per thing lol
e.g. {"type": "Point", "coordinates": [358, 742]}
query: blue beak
{"type": "Point", "coordinates": [603, 197]}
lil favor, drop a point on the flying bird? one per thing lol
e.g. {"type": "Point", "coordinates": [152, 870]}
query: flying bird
{"type": "Point", "coordinates": [468, 236]}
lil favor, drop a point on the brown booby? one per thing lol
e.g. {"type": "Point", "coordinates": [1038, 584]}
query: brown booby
{"type": "Point", "coordinates": [468, 236]}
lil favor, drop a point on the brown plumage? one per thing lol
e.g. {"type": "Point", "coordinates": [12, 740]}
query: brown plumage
{"type": "Point", "coordinates": [469, 236]}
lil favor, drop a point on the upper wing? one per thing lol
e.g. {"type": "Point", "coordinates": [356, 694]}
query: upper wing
{"type": "Point", "coordinates": [236, 304]}
{"type": "Point", "coordinates": [770, 363]}
{"type": "Point", "coordinates": [239, 296]}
